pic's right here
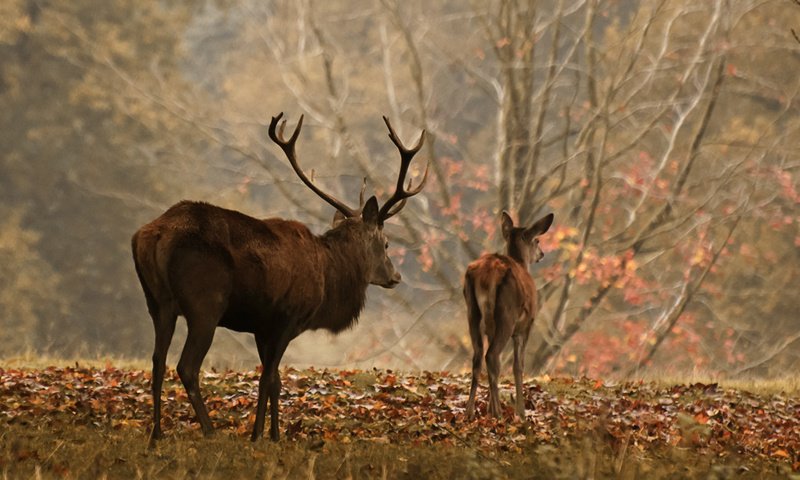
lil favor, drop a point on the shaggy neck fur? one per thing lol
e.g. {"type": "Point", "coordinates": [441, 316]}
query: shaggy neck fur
{"type": "Point", "coordinates": [346, 278]}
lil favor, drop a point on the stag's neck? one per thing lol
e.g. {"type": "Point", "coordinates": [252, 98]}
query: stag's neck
{"type": "Point", "coordinates": [346, 283]}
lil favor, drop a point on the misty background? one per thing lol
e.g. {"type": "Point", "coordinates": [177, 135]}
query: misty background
{"type": "Point", "coordinates": [663, 134]}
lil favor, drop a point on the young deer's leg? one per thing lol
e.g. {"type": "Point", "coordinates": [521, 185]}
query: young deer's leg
{"type": "Point", "coordinates": [519, 363]}
{"type": "Point", "coordinates": [474, 319]}
{"type": "Point", "coordinates": [164, 320]}
{"type": "Point", "coordinates": [502, 332]}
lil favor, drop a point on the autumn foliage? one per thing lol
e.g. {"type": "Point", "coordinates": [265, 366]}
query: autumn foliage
{"type": "Point", "coordinates": [424, 408]}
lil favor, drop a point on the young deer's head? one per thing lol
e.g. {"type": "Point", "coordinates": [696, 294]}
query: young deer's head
{"type": "Point", "coordinates": [522, 243]}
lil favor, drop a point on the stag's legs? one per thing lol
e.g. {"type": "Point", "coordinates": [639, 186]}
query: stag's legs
{"type": "Point", "coordinates": [202, 295]}
{"type": "Point", "coordinates": [198, 341]}
{"type": "Point", "coordinates": [164, 323]}
{"type": "Point", "coordinates": [270, 352]}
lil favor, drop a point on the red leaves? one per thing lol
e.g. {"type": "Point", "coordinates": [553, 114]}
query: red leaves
{"type": "Point", "coordinates": [423, 408]}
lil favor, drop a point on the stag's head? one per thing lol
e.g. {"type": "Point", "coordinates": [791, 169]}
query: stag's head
{"type": "Point", "coordinates": [366, 222]}
{"type": "Point", "coordinates": [522, 243]}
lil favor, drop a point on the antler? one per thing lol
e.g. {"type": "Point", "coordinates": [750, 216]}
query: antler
{"type": "Point", "coordinates": [398, 199]}
{"type": "Point", "coordinates": [288, 148]}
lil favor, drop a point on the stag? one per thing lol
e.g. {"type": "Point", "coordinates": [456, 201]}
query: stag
{"type": "Point", "coordinates": [273, 278]}
{"type": "Point", "coordinates": [501, 304]}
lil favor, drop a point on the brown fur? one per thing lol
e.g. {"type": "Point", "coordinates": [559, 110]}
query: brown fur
{"type": "Point", "coordinates": [272, 278]}
{"type": "Point", "coordinates": [501, 303]}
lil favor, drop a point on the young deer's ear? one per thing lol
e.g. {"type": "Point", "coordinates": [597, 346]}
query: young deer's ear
{"type": "Point", "coordinates": [540, 227]}
{"type": "Point", "coordinates": [508, 224]}
{"type": "Point", "coordinates": [338, 218]}
{"type": "Point", "coordinates": [370, 212]}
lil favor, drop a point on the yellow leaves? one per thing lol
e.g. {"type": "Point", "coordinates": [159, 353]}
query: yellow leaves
{"type": "Point", "coordinates": [563, 233]}
{"type": "Point", "coordinates": [699, 257]}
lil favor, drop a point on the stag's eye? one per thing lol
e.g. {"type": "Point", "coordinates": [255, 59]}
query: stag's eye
{"type": "Point", "coordinates": [386, 246]}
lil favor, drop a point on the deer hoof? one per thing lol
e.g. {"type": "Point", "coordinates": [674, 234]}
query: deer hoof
{"type": "Point", "coordinates": [155, 436]}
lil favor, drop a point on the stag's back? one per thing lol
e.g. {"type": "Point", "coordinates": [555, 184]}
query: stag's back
{"type": "Point", "coordinates": [196, 247]}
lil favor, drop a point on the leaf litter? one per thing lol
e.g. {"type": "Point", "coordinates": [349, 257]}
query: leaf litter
{"type": "Point", "coordinates": [384, 406]}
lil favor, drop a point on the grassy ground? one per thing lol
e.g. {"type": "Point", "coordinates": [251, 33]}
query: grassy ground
{"type": "Point", "coordinates": [93, 423]}
{"type": "Point", "coordinates": [29, 451]}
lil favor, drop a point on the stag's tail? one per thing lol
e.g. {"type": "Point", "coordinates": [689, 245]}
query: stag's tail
{"type": "Point", "coordinates": [144, 246]}
{"type": "Point", "coordinates": [138, 262]}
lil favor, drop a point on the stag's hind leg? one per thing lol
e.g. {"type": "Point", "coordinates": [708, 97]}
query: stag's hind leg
{"type": "Point", "coordinates": [164, 312]}
{"type": "Point", "coordinates": [198, 341]}
{"type": "Point", "coordinates": [270, 351]}
{"type": "Point", "coordinates": [203, 294]}
{"type": "Point", "coordinates": [164, 318]}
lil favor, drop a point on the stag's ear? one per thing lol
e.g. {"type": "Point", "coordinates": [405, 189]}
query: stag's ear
{"type": "Point", "coordinates": [508, 225]}
{"type": "Point", "coordinates": [338, 218]}
{"type": "Point", "coordinates": [540, 227]}
{"type": "Point", "coordinates": [370, 212]}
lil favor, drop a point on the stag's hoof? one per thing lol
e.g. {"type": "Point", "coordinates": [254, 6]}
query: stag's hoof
{"type": "Point", "coordinates": [154, 438]}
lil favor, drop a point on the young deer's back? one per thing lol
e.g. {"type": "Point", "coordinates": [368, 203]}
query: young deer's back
{"type": "Point", "coordinates": [499, 281]}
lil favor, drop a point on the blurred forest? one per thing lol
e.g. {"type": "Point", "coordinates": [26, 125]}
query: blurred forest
{"type": "Point", "coordinates": [662, 133]}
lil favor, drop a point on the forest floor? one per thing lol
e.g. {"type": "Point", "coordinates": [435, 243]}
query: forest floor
{"type": "Point", "coordinates": [93, 422]}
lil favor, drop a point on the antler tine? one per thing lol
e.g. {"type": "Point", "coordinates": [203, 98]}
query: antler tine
{"type": "Point", "coordinates": [288, 147]}
{"type": "Point", "coordinates": [361, 193]}
{"type": "Point", "coordinates": [398, 199]}
{"type": "Point", "coordinates": [402, 203]}
{"type": "Point", "coordinates": [404, 151]}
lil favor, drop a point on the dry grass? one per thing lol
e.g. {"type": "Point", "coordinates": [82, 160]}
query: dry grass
{"type": "Point", "coordinates": [29, 451]}
{"type": "Point", "coordinates": [788, 385]}
{"type": "Point", "coordinates": [32, 447]}
{"type": "Point", "coordinates": [37, 361]}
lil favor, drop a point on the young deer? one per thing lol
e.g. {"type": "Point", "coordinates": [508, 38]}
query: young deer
{"type": "Point", "coordinates": [501, 304]}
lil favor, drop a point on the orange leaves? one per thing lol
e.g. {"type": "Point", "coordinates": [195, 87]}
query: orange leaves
{"type": "Point", "coordinates": [621, 269]}
{"type": "Point", "coordinates": [422, 408]}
